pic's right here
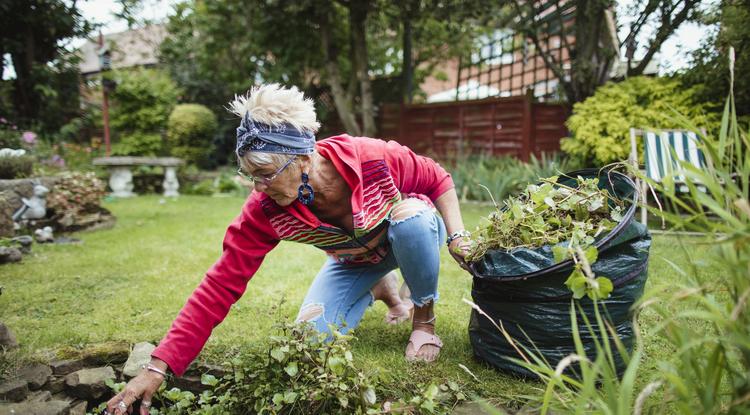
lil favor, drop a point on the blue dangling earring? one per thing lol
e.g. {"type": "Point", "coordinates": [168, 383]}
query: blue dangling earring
{"type": "Point", "coordinates": [305, 193]}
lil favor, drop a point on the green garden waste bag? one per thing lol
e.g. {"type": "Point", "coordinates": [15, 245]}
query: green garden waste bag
{"type": "Point", "coordinates": [525, 290]}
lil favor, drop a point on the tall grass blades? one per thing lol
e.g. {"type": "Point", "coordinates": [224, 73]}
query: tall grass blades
{"type": "Point", "coordinates": [703, 321]}
{"type": "Point", "coordinates": [711, 337]}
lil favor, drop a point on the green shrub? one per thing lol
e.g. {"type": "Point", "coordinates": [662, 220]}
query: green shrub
{"type": "Point", "coordinates": [191, 128]}
{"type": "Point", "coordinates": [600, 125]}
{"type": "Point", "coordinates": [16, 167]}
{"type": "Point", "coordinates": [138, 144]}
{"type": "Point", "coordinates": [141, 105]}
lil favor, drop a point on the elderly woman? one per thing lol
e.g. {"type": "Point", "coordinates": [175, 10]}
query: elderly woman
{"type": "Point", "coordinates": [369, 204]}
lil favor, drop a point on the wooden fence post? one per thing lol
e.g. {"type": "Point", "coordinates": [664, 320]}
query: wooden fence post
{"type": "Point", "coordinates": [527, 139]}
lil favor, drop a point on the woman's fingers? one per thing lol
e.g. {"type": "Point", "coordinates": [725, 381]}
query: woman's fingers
{"type": "Point", "coordinates": [140, 387]}
{"type": "Point", "coordinates": [146, 402]}
{"type": "Point", "coordinates": [123, 401]}
{"type": "Point", "coordinates": [458, 250]}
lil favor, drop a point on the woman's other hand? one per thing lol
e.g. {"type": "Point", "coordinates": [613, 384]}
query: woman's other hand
{"type": "Point", "coordinates": [142, 387]}
{"type": "Point", "coordinates": [459, 248]}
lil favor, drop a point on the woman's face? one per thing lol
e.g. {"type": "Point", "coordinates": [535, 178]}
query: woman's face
{"type": "Point", "coordinates": [282, 188]}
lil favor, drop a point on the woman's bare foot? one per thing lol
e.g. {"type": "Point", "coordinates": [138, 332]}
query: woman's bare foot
{"type": "Point", "coordinates": [387, 291]}
{"type": "Point", "coordinates": [424, 345]}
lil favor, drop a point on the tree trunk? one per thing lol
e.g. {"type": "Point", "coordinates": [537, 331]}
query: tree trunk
{"type": "Point", "coordinates": [358, 10]}
{"type": "Point", "coordinates": [593, 56]}
{"type": "Point", "coordinates": [340, 98]}
{"type": "Point", "coordinates": [23, 64]}
{"type": "Point", "coordinates": [408, 69]}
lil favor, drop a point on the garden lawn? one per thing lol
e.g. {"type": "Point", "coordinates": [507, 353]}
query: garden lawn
{"type": "Point", "coordinates": [126, 284]}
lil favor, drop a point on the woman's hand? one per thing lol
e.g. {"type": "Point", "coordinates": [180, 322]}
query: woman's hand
{"type": "Point", "coordinates": [459, 248]}
{"type": "Point", "coordinates": [140, 387]}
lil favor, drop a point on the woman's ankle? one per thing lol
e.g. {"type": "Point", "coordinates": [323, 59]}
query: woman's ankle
{"type": "Point", "coordinates": [424, 318]}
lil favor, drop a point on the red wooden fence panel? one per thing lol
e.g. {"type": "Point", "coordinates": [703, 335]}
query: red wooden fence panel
{"type": "Point", "coordinates": [513, 126]}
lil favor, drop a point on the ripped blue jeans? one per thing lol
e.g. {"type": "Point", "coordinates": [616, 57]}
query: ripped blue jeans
{"type": "Point", "coordinates": [340, 293]}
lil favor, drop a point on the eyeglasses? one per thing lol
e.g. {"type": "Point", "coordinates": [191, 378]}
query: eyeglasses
{"type": "Point", "coordinates": [265, 179]}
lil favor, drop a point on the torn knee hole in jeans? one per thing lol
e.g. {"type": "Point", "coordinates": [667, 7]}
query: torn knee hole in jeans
{"type": "Point", "coordinates": [407, 210]}
{"type": "Point", "coordinates": [310, 312]}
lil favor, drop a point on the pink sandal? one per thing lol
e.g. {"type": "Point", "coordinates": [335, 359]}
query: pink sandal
{"type": "Point", "coordinates": [418, 339]}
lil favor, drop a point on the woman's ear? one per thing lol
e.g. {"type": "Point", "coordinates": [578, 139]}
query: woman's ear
{"type": "Point", "coordinates": [305, 162]}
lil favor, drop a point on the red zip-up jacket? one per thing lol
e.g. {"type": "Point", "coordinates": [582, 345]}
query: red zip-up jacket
{"type": "Point", "coordinates": [377, 172]}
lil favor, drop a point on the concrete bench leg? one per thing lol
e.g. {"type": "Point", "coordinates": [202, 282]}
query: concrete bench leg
{"type": "Point", "coordinates": [121, 182]}
{"type": "Point", "coordinates": [170, 182]}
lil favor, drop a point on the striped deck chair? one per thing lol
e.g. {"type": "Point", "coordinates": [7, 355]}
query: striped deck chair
{"type": "Point", "coordinates": [664, 152]}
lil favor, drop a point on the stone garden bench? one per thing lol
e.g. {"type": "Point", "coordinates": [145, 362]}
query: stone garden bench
{"type": "Point", "coordinates": [121, 178]}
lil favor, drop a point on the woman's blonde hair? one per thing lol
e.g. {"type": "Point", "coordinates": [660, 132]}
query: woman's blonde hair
{"type": "Point", "coordinates": [274, 104]}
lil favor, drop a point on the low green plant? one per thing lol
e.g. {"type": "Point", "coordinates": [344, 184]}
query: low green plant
{"type": "Point", "coordinates": [301, 371]}
{"type": "Point", "coordinates": [16, 167]}
{"type": "Point", "coordinates": [227, 183]}
{"type": "Point", "coordinates": [600, 125]}
{"type": "Point", "coordinates": [10, 137]}
{"type": "Point", "coordinates": [202, 188]}
{"type": "Point", "coordinates": [501, 176]}
{"type": "Point", "coordinates": [190, 132]}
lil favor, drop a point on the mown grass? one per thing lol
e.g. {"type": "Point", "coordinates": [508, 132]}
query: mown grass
{"type": "Point", "coordinates": [126, 284]}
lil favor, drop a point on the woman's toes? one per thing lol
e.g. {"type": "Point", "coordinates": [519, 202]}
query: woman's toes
{"type": "Point", "coordinates": [428, 353]}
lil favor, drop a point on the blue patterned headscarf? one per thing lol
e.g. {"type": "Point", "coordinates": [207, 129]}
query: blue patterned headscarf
{"type": "Point", "coordinates": [281, 138]}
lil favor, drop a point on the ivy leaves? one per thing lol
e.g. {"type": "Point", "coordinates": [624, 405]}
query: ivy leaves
{"type": "Point", "coordinates": [549, 214]}
{"type": "Point", "coordinates": [582, 280]}
{"type": "Point", "coordinates": [564, 217]}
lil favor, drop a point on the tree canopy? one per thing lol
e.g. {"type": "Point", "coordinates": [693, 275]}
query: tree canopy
{"type": "Point", "coordinates": [709, 69]}
{"type": "Point", "coordinates": [32, 34]}
{"type": "Point", "coordinates": [590, 38]}
{"type": "Point", "coordinates": [349, 52]}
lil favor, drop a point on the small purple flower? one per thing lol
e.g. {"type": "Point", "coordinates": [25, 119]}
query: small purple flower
{"type": "Point", "coordinates": [3, 120]}
{"type": "Point", "coordinates": [29, 137]}
{"type": "Point", "coordinates": [57, 160]}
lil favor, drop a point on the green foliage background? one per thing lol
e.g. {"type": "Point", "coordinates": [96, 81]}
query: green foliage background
{"type": "Point", "coordinates": [600, 125]}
